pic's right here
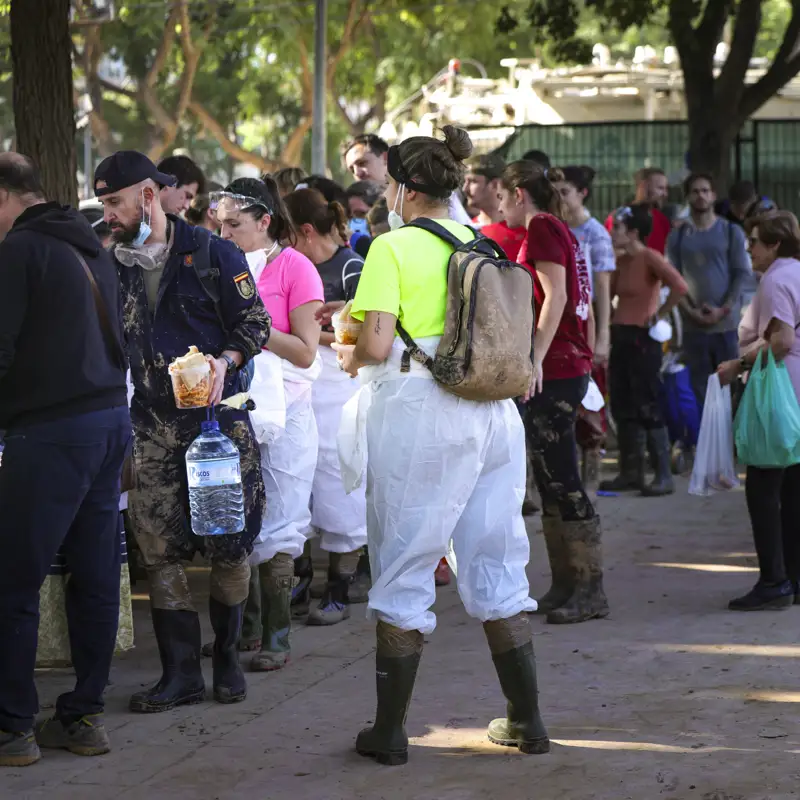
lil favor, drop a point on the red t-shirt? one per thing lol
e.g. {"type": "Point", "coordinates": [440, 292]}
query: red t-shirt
{"type": "Point", "coordinates": [657, 240]}
{"type": "Point", "coordinates": [509, 239]}
{"type": "Point", "coordinates": [549, 239]}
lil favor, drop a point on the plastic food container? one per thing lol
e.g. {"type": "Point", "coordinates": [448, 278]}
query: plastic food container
{"type": "Point", "coordinates": [346, 332]}
{"type": "Point", "coordinates": [191, 387]}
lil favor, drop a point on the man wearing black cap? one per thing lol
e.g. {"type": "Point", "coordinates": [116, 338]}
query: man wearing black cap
{"type": "Point", "coordinates": [181, 286]}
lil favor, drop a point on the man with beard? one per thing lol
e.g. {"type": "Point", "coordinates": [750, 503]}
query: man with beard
{"type": "Point", "coordinates": [652, 189]}
{"type": "Point", "coordinates": [711, 254]}
{"type": "Point", "coordinates": [181, 286]}
{"type": "Point", "coordinates": [365, 157]}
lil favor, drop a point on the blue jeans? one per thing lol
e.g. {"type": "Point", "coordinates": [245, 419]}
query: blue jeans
{"type": "Point", "coordinates": [703, 353]}
{"type": "Point", "coordinates": [59, 488]}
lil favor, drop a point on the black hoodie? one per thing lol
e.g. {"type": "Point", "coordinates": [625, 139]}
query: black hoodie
{"type": "Point", "coordinates": [54, 360]}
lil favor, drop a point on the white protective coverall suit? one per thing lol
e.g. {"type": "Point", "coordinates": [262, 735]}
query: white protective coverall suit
{"type": "Point", "coordinates": [439, 468]}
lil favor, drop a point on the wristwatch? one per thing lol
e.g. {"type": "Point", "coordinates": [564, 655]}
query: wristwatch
{"type": "Point", "coordinates": [231, 364]}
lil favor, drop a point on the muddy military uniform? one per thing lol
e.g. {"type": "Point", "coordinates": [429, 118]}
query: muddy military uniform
{"type": "Point", "coordinates": [158, 329]}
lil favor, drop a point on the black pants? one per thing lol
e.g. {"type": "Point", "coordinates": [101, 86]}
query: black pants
{"type": "Point", "coordinates": [773, 500]}
{"type": "Point", "coordinates": [59, 488]}
{"type": "Point", "coordinates": [634, 377]}
{"type": "Point", "coordinates": [549, 420]}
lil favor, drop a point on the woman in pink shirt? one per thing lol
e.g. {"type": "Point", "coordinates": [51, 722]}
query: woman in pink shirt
{"type": "Point", "coordinates": [252, 214]}
{"type": "Point", "coordinates": [772, 321]}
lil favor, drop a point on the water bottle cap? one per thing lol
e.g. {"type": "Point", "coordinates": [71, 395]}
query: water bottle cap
{"type": "Point", "coordinates": [209, 425]}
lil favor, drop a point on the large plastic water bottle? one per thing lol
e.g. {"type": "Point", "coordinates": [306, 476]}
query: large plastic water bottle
{"type": "Point", "coordinates": [215, 483]}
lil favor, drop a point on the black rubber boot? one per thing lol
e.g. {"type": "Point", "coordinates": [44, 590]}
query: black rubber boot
{"type": "Point", "coordinates": [396, 664]}
{"type": "Point", "coordinates": [658, 445]}
{"type": "Point", "coordinates": [512, 653]}
{"type": "Point", "coordinates": [178, 637]}
{"type": "Point", "coordinates": [585, 562]}
{"type": "Point", "coordinates": [250, 637]}
{"type": "Point", "coordinates": [304, 575]}
{"type": "Point", "coordinates": [277, 578]}
{"type": "Point", "coordinates": [631, 442]}
{"type": "Point", "coordinates": [229, 682]}
{"type": "Point", "coordinates": [334, 606]}
{"type": "Point", "coordinates": [561, 587]}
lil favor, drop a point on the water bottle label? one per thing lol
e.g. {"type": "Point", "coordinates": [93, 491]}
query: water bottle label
{"type": "Point", "coordinates": [214, 473]}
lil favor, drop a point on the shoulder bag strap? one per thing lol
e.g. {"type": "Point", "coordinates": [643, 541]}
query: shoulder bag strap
{"type": "Point", "coordinates": [112, 342]}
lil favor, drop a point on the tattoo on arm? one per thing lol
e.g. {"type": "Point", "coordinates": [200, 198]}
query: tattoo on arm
{"type": "Point", "coordinates": [377, 323]}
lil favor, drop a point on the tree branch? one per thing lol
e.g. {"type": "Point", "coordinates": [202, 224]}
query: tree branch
{"type": "Point", "coordinates": [784, 67]}
{"type": "Point", "coordinates": [164, 46]}
{"type": "Point", "coordinates": [354, 20]}
{"type": "Point", "coordinates": [231, 148]}
{"type": "Point", "coordinates": [731, 81]}
{"type": "Point", "coordinates": [713, 22]}
{"type": "Point", "coordinates": [112, 87]}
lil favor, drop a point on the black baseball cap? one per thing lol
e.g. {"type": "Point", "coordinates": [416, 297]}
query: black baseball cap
{"type": "Point", "coordinates": [127, 168]}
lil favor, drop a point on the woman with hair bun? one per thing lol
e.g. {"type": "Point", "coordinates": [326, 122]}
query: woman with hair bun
{"type": "Point", "coordinates": [441, 470]}
{"type": "Point", "coordinates": [251, 213]}
{"type": "Point", "coordinates": [562, 364]}
{"type": "Point", "coordinates": [339, 518]}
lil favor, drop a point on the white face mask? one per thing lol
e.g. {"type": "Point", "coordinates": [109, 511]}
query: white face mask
{"type": "Point", "coordinates": [144, 226]}
{"type": "Point", "coordinates": [395, 219]}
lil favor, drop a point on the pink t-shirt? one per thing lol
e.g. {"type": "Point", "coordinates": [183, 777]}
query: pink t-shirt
{"type": "Point", "coordinates": [778, 297]}
{"type": "Point", "coordinates": [288, 282]}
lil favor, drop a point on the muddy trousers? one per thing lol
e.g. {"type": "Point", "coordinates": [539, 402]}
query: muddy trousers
{"type": "Point", "coordinates": [59, 488]}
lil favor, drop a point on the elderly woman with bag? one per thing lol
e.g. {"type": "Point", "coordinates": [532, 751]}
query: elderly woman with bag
{"type": "Point", "coordinates": [769, 333]}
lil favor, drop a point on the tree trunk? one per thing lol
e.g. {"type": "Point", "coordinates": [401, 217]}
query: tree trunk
{"type": "Point", "coordinates": [710, 143]}
{"type": "Point", "coordinates": [41, 57]}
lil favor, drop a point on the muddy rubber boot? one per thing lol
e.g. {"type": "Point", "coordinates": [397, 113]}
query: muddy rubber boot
{"type": "Point", "coordinates": [229, 682]}
{"type": "Point", "coordinates": [582, 540]}
{"type": "Point", "coordinates": [362, 583]}
{"type": "Point", "coordinates": [250, 638]}
{"type": "Point", "coordinates": [277, 579]}
{"type": "Point", "coordinates": [396, 663]}
{"type": "Point", "coordinates": [304, 574]}
{"type": "Point", "coordinates": [178, 637]}
{"type": "Point", "coordinates": [660, 450]}
{"type": "Point", "coordinates": [334, 606]}
{"type": "Point", "coordinates": [631, 441]}
{"type": "Point", "coordinates": [561, 588]}
{"type": "Point", "coordinates": [512, 653]}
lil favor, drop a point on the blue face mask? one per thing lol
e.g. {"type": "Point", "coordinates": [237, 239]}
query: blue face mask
{"type": "Point", "coordinates": [359, 225]}
{"type": "Point", "coordinates": [144, 228]}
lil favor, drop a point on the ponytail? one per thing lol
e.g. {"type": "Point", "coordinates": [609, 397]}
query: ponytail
{"type": "Point", "coordinates": [339, 219]}
{"type": "Point", "coordinates": [538, 183]}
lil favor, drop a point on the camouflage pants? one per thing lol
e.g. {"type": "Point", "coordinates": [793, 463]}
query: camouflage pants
{"type": "Point", "coordinates": [549, 419]}
{"type": "Point", "coordinates": [159, 506]}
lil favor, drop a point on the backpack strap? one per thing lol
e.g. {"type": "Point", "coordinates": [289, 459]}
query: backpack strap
{"type": "Point", "coordinates": [413, 350]}
{"type": "Point", "coordinates": [481, 243]}
{"type": "Point", "coordinates": [206, 273]}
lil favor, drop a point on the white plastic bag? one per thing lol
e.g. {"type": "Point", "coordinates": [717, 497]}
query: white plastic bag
{"type": "Point", "coordinates": [714, 468]}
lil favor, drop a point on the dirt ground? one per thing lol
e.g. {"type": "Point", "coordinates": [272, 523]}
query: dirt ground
{"type": "Point", "coordinates": [672, 697]}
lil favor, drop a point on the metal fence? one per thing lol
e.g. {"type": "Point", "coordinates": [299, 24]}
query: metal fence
{"type": "Point", "coordinates": [766, 152]}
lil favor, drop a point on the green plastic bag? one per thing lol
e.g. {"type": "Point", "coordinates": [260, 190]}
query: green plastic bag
{"type": "Point", "coordinates": [767, 424]}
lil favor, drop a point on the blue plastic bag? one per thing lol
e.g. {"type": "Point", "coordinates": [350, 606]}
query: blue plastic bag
{"type": "Point", "coordinates": [768, 420]}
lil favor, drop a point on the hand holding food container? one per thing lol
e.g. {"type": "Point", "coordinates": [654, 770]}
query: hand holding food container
{"type": "Point", "coordinates": [345, 328]}
{"type": "Point", "coordinates": [192, 379]}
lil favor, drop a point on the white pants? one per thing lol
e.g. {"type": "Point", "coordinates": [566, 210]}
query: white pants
{"type": "Point", "coordinates": [442, 468]}
{"type": "Point", "coordinates": [288, 465]}
{"type": "Point", "coordinates": [339, 518]}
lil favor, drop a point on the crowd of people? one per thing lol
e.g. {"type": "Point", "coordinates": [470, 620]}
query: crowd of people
{"type": "Point", "coordinates": [252, 274]}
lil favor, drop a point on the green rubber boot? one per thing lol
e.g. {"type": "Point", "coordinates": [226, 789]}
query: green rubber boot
{"type": "Point", "coordinates": [512, 652]}
{"type": "Point", "coordinates": [396, 664]}
{"type": "Point", "coordinates": [277, 579]}
{"type": "Point", "coordinates": [334, 607]}
{"type": "Point", "coordinates": [631, 441]}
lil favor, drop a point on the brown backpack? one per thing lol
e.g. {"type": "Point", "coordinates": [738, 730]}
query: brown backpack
{"type": "Point", "coordinates": [486, 350]}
